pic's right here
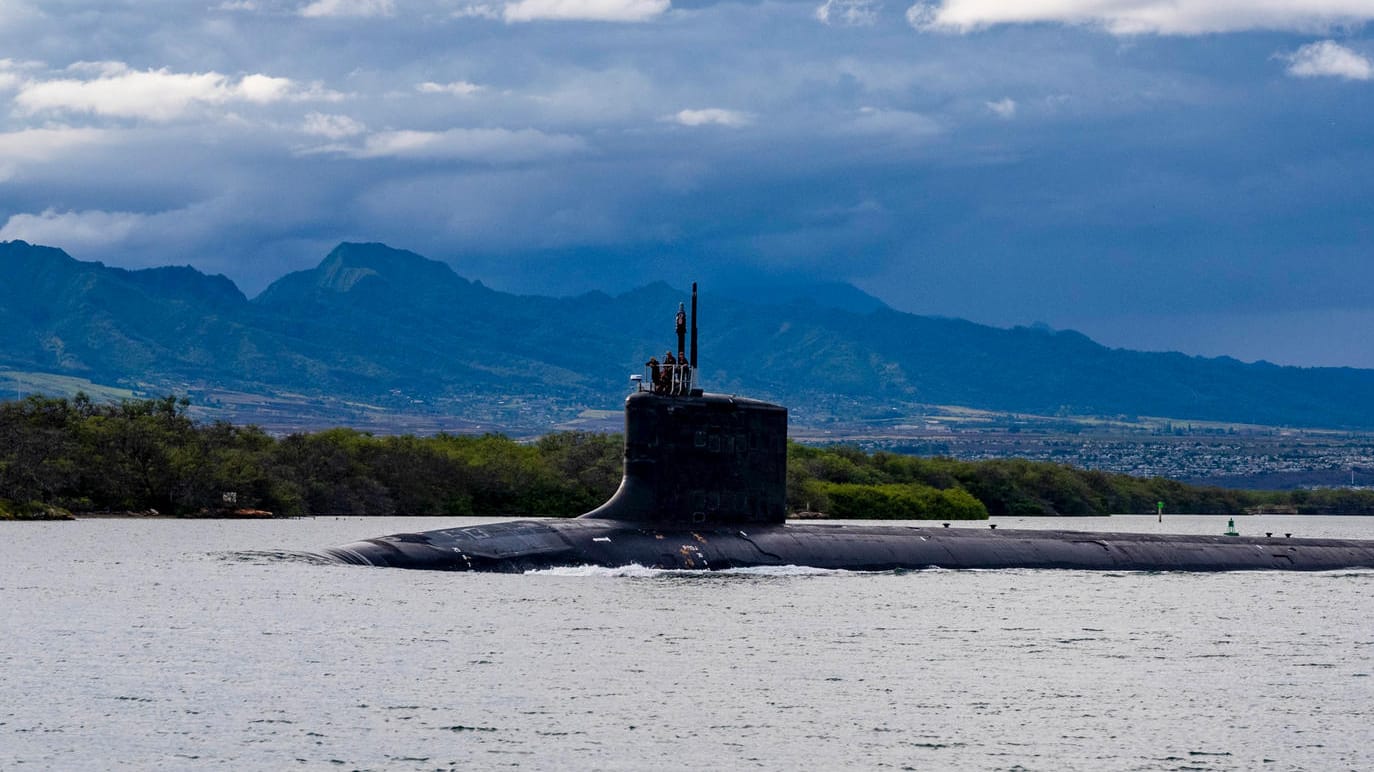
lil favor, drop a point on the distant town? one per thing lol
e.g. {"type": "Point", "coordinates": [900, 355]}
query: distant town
{"type": "Point", "coordinates": [1229, 455]}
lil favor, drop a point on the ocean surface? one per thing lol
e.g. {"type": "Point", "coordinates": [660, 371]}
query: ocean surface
{"type": "Point", "coordinates": [185, 645]}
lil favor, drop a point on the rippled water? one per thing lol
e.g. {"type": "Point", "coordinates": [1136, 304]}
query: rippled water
{"type": "Point", "coordinates": [200, 644]}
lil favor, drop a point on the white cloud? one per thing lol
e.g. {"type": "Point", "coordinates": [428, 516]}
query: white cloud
{"type": "Point", "coordinates": [1003, 108]}
{"type": "Point", "coordinates": [262, 89]}
{"type": "Point", "coordinates": [73, 230]}
{"type": "Point", "coordinates": [332, 126]}
{"type": "Point", "coordinates": [456, 88]}
{"type": "Point", "coordinates": [52, 143]}
{"type": "Point", "coordinates": [159, 95]}
{"type": "Point", "coordinates": [1135, 17]}
{"type": "Point", "coordinates": [849, 13]}
{"type": "Point", "coordinates": [900, 123]}
{"type": "Point", "coordinates": [482, 145]}
{"type": "Point", "coordinates": [584, 10]}
{"type": "Point", "coordinates": [103, 68]}
{"type": "Point", "coordinates": [333, 8]}
{"type": "Point", "coordinates": [46, 143]}
{"type": "Point", "coordinates": [237, 5]}
{"type": "Point", "coordinates": [478, 11]}
{"type": "Point", "coordinates": [1329, 58]}
{"type": "Point", "coordinates": [712, 116]}
{"type": "Point", "coordinates": [11, 73]}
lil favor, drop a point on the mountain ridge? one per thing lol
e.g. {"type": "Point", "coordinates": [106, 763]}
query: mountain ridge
{"type": "Point", "coordinates": [382, 326]}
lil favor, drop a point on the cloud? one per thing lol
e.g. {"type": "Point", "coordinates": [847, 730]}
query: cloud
{"type": "Point", "coordinates": [1003, 108]}
{"type": "Point", "coordinates": [30, 146]}
{"type": "Point", "coordinates": [158, 95]}
{"type": "Point", "coordinates": [712, 116]}
{"type": "Point", "coordinates": [584, 10]}
{"type": "Point", "coordinates": [1136, 17]}
{"type": "Point", "coordinates": [72, 230]}
{"type": "Point", "coordinates": [618, 96]}
{"type": "Point", "coordinates": [456, 88]}
{"type": "Point", "coordinates": [11, 73]}
{"type": "Point", "coordinates": [848, 13]}
{"type": "Point", "coordinates": [44, 142]}
{"type": "Point", "coordinates": [358, 8]}
{"type": "Point", "coordinates": [1328, 58]}
{"type": "Point", "coordinates": [478, 11]}
{"type": "Point", "coordinates": [481, 145]}
{"type": "Point", "coordinates": [262, 89]}
{"type": "Point", "coordinates": [332, 126]}
{"type": "Point", "coordinates": [901, 123]}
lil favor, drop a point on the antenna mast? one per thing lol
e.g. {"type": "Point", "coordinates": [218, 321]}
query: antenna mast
{"type": "Point", "coordinates": [694, 328]}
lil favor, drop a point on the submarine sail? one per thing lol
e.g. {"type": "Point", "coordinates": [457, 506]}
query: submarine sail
{"type": "Point", "coordinates": [704, 486]}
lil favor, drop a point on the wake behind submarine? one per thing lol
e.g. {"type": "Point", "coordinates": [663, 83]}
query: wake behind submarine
{"type": "Point", "coordinates": [705, 487]}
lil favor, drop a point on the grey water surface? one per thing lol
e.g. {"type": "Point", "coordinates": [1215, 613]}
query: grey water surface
{"type": "Point", "coordinates": [175, 644]}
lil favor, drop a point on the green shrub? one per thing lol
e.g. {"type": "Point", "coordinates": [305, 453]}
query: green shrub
{"type": "Point", "coordinates": [32, 510]}
{"type": "Point", "coordinates": [895, 501]}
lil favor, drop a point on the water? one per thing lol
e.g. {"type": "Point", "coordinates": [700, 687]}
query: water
{"type": "Point", "coordinates": [210, 644]}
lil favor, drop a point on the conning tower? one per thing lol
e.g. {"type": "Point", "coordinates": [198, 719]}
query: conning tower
{"type": "Point", "coordinates": [697, 459]}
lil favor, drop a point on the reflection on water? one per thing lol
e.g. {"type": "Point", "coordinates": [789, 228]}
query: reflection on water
{"type": "Point", "coordinates": [197, 644]}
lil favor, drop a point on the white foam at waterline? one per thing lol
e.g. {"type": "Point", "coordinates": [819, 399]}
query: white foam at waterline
{"type": "Point", "coordinates": [788, 570]}
{"type": "Point", "coordinates": [635, 570]}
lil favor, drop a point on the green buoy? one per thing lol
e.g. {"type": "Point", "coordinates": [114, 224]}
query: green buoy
{"type": "Point", "coordinates": [1231, 528]}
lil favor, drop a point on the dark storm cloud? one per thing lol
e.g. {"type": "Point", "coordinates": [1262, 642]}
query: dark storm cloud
{"type": "Point", "coordinates": [963, 164]}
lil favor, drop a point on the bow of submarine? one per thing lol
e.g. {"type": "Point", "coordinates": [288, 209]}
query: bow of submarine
{"type": "Point", "coordinates": [513, 546]}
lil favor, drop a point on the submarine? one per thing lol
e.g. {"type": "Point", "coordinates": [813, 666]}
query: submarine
{"type": "Point", "coordinates": [704, 487]}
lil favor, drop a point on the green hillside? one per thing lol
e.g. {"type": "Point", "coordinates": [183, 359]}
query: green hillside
{"type": "Point", "coordinates": [388, 330]}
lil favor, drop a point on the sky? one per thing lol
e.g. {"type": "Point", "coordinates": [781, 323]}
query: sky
{"type": "Point", "coordinates": [1193, 175]}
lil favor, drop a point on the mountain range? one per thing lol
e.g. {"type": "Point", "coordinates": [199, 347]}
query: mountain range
{"type": "Point", "coordinates": [387, 332]}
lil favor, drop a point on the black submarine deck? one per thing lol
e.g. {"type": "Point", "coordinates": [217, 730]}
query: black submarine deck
{"type": "Point", "coordinates": [524, 545]}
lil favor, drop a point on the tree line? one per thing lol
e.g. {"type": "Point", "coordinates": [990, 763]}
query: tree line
{"type": "Point", "coordinates": [140, 455]}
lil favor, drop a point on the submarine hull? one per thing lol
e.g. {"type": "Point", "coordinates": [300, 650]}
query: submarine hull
{"type": "Point", "coordinates": [525, 545]}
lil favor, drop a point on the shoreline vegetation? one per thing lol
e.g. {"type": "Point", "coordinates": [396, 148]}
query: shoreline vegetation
{"type": "Point", "coordinates": [61, 458]}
